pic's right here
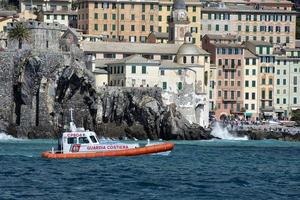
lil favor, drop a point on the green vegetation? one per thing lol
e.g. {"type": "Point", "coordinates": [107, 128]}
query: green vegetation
{"type": "Point", "coordinates": [296, 116]}
{"type": "Point", "coordinates": [20, 33]}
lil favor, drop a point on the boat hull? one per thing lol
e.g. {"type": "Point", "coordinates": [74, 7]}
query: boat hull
{"type": "Point", "coordinates": [158, 148]}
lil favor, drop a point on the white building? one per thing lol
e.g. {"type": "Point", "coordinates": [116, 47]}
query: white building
{"type": "Point", "coordinates": [51, 11]}
{"type": "Point", "coordinates": [287, 83]}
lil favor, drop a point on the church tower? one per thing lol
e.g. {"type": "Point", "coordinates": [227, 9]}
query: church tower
{"type": "Point", "coordinates": [179, 22]}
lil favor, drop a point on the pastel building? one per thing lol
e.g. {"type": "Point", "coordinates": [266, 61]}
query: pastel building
{"type": "Point", "coordinates": [133, 21]}
{"type": "Point", "coordinates": [266, 67]}
{"type": "Point", "coordinates": [256, 22]}
{"type": "Point", "coordinates": [287, 85]}
{"type": "Point", "coordinates": [227, 55]}
{"type": "Point", "coordinates": [251, 74]}
{"type": "Point", "coordinates": [51, 11]}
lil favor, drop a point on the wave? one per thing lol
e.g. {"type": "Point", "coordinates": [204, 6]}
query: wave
{"type": "Point", "coordinates": [4, 136]}
{"type": "Point", "coordinates": [224, 134]}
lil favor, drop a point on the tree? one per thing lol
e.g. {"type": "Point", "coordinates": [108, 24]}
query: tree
{"type": "Point", "coordinates": [20, 33]}
{"type": "Point", "coordinates": [296, 115]}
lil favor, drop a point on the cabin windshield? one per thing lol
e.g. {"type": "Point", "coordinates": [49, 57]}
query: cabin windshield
{"type": "Point", "coordinates": [93, 139]}
{"type": "Point", "coordinates": [72, 140]}
{"type": "Point", "coordinates": [83, 140]}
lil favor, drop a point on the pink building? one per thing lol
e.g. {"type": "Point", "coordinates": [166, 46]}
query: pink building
{"type": "Point", "coordinates": [227, 54]}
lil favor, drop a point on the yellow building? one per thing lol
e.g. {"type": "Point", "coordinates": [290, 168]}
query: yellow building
{"type": "Point", "coordinates": [133, 21]}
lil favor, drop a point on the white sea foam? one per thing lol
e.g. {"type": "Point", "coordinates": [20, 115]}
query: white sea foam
{"type": "Point", "coordinates": [224, 134]}
{"type": "Point", "coordinates": [4, 136]}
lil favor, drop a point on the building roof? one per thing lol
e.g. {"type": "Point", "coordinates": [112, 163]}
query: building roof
{"type": "Point", "coordinates": [133, 48]}
{"type": "Point", "coordinates": [102, 63]}
{"type": "Point", "coordinates": [233, 45]}
{"type": "Point", "coordinates": [249, 54]}
{"type": "Point", "coordinates": [242, 9]}
{"type": "Point", "coordinates": [7, 13]}
{"type": "Point", "coordinates": [136, 59]}
{"type": "Point", "coordinates": [221, 37]}
{"type": "Point", "coordinates": [160, 35]}
{"type": "Point", "coordinates": [190, 49]}
{"type": "Point", "coordinates": [259, 43]}
{"type": "Point", "coordinates": [61, 12]}
{"type": "Point", "coordinates": [179, 4]}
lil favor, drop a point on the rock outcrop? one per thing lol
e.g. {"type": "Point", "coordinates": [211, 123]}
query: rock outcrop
{"type": "Point", "coordinates": [43, 86]}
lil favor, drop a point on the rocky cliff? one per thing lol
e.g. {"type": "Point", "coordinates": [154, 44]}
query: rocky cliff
{"type": "Point", "coordinates": [40, 87]}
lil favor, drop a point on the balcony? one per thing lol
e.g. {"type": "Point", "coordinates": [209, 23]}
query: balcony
{"type": "Point", "coordinates": [229, 100]}
{"type": "Point", "coordinates": [229, 68]}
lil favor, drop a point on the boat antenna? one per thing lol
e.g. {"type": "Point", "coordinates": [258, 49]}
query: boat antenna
{"type": "Point", "coordinates": [72, 124]}
{"type": "Point", "coordinates": [71, 110]}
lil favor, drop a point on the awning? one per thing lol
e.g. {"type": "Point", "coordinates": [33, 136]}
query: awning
{"type": "Point", "coordinates": [248, 114]}
{"type": "Point", "coordinates": [279, 111]}
{"type": "Point", "coordinates": [268, 113]}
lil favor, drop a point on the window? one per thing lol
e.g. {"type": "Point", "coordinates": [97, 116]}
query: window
{"type": "Point", "coordinates": [253, 84]}
{"type": "Point", "coordinates": [192, 59]}
{"type": "Point", "coordinates": [104, 27]}
{"type": "Point", "coordinates": [151, 17]}
{"type": "Point", "coordinates": [122, 27]}
{"type": "Point", "coordinates": [194, 8]}
{"type": "Point", "coordinates": [263, 81]}
{"type": "Point", "coordinates": [132, 28]}
{"type": "Point", "coordinates": [184, 59]}
{"type": "Point", "coordinates": [162, 72]}
{"type": "Point", "coordinates": [246, 95]}
{"type": "Point", "coordinates": [113, 16]}
{"type": "Point", "coordinates": [105, 16]}
{"type": "Point", "coordinates": [295, 100]}
{"type": "Point", "coordinates": [226, 27]}
{"type": "Point", "coordinates": [55, 17]}
{"type": "Point", "coordinates": [133, 69]}
{"type": "Point", "coordinates": [144, 71]}
{"type": "Point", "coordinates": [132, 17]}
{"type": "Point", "coordinates": [83, 140]}
{"type": "Point", "coordinates": [194, 19]}
{"type": "Point", "coordinates": [179, 85]}
{"type": "Point", "coordinates": [96, 27]}
{"type": "Point", "coordinates": [96, 15]}
{"type": "Point", "coordinates": [278, 81]}
{"type": "Point", "coordinates": [247, 63]}
{"type": "Point", "coordinates": [72, 140]}
{"type": "Point", "coordinates": [246, 83]}
{"type": "Point", "coordinates": [217, 27]}
{"type": "Point", "coordinates": [93, 139]}
{"type": "Point", "coordinates": [270, 81]}
{"type": "Point", "coordinates": [122, 16]}
{"type": "Point", "coordinates": [164, 85]}
{"type": "Point", "coordinates": [143, 28]}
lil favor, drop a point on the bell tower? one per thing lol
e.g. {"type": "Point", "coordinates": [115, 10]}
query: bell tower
{"type": "Point", "coordinates": [179, 22]}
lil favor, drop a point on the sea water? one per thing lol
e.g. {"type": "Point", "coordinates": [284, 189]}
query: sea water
{"type": "Point", "coordinates": [216, 169]}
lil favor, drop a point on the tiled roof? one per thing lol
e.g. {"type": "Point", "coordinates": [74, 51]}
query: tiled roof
{"type": "Point", "coordinates": [133, 48]}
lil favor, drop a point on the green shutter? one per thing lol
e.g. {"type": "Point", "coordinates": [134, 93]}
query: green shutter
{"type": "Point", "coordinates": [164, 85]}
{"type": "Point", "coordinates": [144, 71]}
{"type": "Point", "coordinates": [133, 69]}
{"type": "Point", "coordinates": [179, 85]}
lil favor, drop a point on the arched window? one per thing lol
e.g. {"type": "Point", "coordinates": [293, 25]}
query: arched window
{"type": "Point", "coordinates": [193, 59]}
{"type": "Point", "coordinates": [184, 59]}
